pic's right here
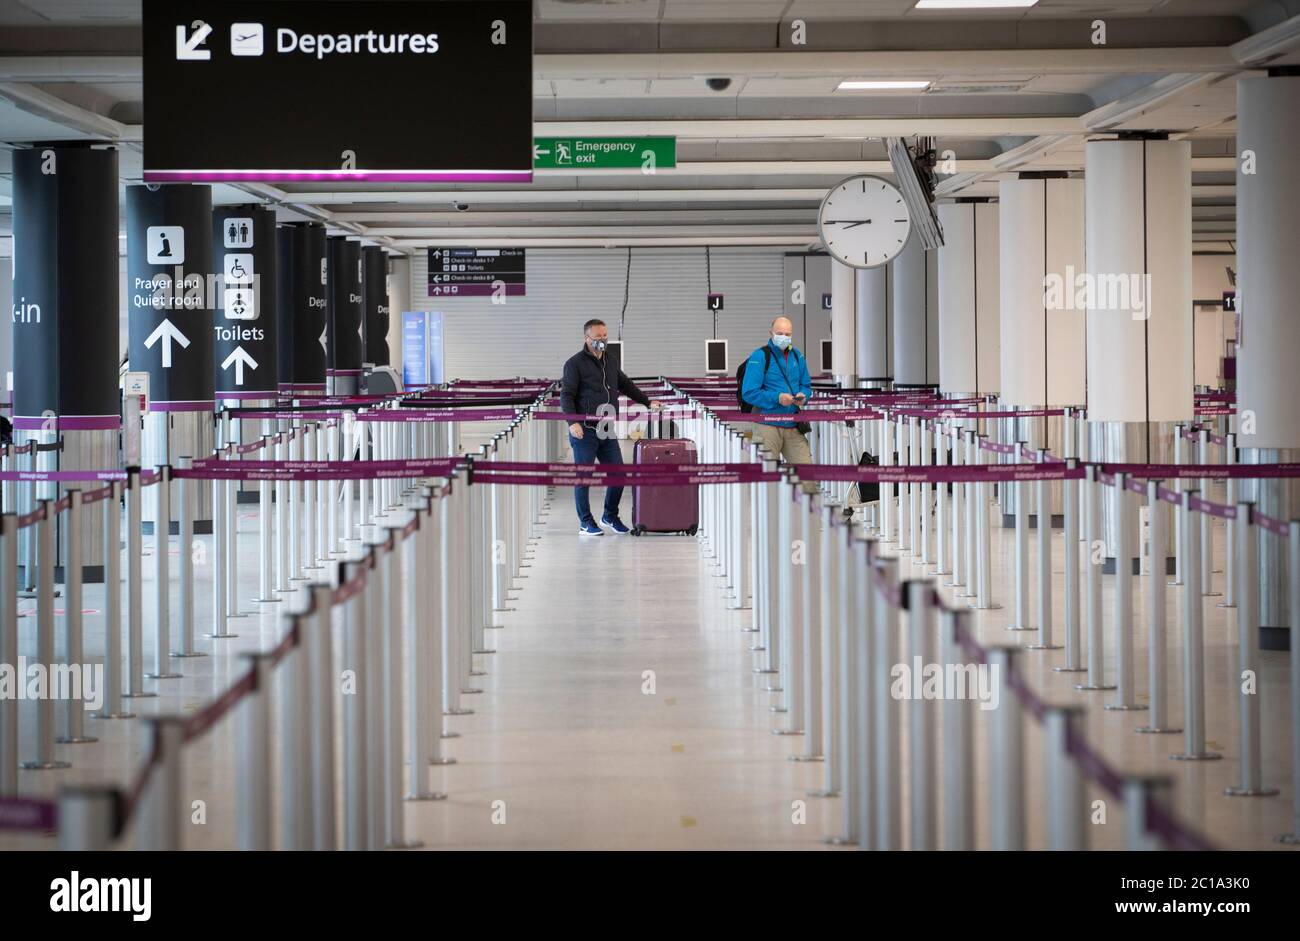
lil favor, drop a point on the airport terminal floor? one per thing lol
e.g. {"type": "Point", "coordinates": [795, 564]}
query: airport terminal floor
{"type": "Point", "coordinates": [441, 435]}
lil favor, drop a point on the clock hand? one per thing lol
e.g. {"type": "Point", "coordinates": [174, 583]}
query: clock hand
{"type": "Point", "coordinates": [848, 222]}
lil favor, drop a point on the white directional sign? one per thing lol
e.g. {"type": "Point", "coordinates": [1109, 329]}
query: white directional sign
{"type": "Point", "coordinates": [187, 43]}
{"type": "Point", "coordinates": [167, 332]}
{"type": "Point", "coordinates": [239, 359]}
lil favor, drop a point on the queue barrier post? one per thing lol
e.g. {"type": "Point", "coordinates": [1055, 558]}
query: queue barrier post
{"type": "Point", "coordinates": [161, 811]}
{"type": "Point", "coordinates": [1193, 640]}
{"type": "Point", "coordinates": [1092, 595]}
{"type": "Point", "coordinates": [1124, 526]}
{"type": "Point", "coordinates": [1207, 521]}
{"type": "Point", "coordinates": [113, 682]}
{"type": "Point", "coordinates": [43, 540]}
{"type": "Point", "coordinates": [1070, 508]}
{"type": "Point", "coordinates": [958, 742]}
{"type": "Point", "coordinates": [1066, 803]}
{"type": "Point", "coordinates": [1043, 499]}
{"type": "Point", "coordinates": [88, 818]}
{"type": "Point", "coordinates": [321, 680]}
{"type": "Point", "coordinates": [253, 771]}
{"type": "Point", "coordinates": [134, 589]}
{"type": "Point", "coordinates": [1293, 611]}
{"type": "Point", "coordinates": [1006, 758]}
{"type": "Point", "coordinates": [831, 584]}
{"type": "Point", "coordinates": [74, 619]}
{"type": "Point", "coordinates": [1021, 622]}
{"type": "Point", "coordinates": [162, 668]}
{"type": "Point", "coordinates": [1157, 649]}
{"type": "Point", "coordinates": [1250, 783]}
{"type": "Point", "coordinates": [1230, 556]}
{"type": "Point", "coordinates": [1140, 793]}
{"type": "Point", "coordinates": [921, 751]}
{"type": "Point", "coordinates": [886, 775]}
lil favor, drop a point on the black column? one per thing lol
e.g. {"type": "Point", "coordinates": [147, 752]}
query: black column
{"type": "Point", "coordinates": [375, 265]}
{"type": "Point", "coordinates": [302, 302]}
{"type": "Point", "coordinates": [171, 292]}
{"type": "Point", "coordinates": [65, 324]}
{"type": "Point", "coordinates": [344, 319]}
{"type": "Point", "coordinates": [244, 333]}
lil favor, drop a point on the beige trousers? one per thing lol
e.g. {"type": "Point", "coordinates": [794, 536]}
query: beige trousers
{"type": "Point", "coordinates": [789, 443]}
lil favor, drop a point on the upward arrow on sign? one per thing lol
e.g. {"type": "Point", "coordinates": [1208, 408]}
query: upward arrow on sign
{"type": "Point", "coordinates": [240, 359]}
{"type": "Point", "coordinates": [167, 332]}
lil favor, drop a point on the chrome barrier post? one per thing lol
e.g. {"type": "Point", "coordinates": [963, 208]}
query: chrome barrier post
{"type": "Point", "coordinates": [295, 488]}
{"type": "Point", "coordinates": [921, 720]}
{"type": "Point", "coordinates": [1207, 534]}
{"type": "Point", "coordinates": [860, 701]}
{"type": "Point", "coordinates": [253, 770]}
{"type": "Point", "coordinates": [43, 538]}
{"type": "Point", "coordinates": [283, 535]}
{"type": "Point", "coordinates": [886, 489]}
{"type": "Point", "coordinates": [958, 742]}
{"type": "Point", "coordinates": [1006, 758]}
{"type": "Point", "coordinates": [886, 766]}
{"type": "Point", "coordinates": [87, 818]}
{"type": "Point", "coordinates": [1070, 505]}
{"type": "Point", "coordinates": [791, 601]}
{"type": "Point", "coordinates": [113, 707]}
{"type": "Point", "coordinates": [852, 592]}
{"type": "Point", "coordinates": [221, 558]}
{"type": "Point", "coordinates": [1044, 502]}
{"type": "Point", "coordinates": [971, 496]}
{"type": "Point", "coordinates": [322, 682]}
{"type": "Point", "coordinates": [162, 666]}
{"type": "Point", "coordinates": [1193, 640]}
{"type": "Point", "coordinates": [134, 589]}
{"type": "Point", "coordinates": [957, 459]}
{"type": "Point", "coordinates": [810, 629]}
{"type": "Point", "coordinates": [1230, 527]}
{"type": "Point", "coordinates": [73, 621]}
{"type": "Point", "coordinates": [1092, 595]}
{"type": "Point", "coordinates": [161, 813]}
{"type": "Point", "coordinates": [185, 555]}
{"type": "Point", "coordinates": [1250, 763]}
{"type": "Point", "coordinates": [1139, 792]}
{"type": "Point", "coordinates": [266, 551]}
{"type": "Point", "coordinates": [1180, 564]}
{"type": "Point", "coordinates": [832, 556]}
{"type": "Point", "coordinates": [1067, 806]}
{"type": "Point", "coordinates": [1157, 652]}
{"type": "Point", "coordinates": [1021, 622]}
{"type": "Point", "coordinates": [904, 490]}
{"type": "Point", "coordinates": [983, 562]}
{"type": "Point", "coordinates": [941, 551]}
{"type": "Point", "coordinates": [1293, 610]}
{"type": "Point", "coordinates": [296, 704]}
{"type": "Point", "coordinates": [355, 799]}
{"type": "Point", "coordinates": [1124, 526]}
{"type": "Point", "coordinates": [394, 628]}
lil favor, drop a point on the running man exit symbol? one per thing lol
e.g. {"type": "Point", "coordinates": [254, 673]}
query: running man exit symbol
{"type": "Point", "coordinates": [563, 151]}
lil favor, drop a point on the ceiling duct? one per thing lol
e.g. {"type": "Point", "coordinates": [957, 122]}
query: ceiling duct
{"type": "Point", "coordinates": [914, 170]}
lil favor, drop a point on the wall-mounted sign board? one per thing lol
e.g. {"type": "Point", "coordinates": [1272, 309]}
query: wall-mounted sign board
{"type": "Point", "coordinates": [605, 153]}
{"type": "Point", "coordinates": [280, 90]}
{"type": "Point", "coordinates": [476, 272]}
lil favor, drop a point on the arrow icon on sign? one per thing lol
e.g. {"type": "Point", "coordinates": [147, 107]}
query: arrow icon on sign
{"type": "Point", "coordinates": [324, 344]}
{"type": "Point", "coordinates": [187, 48]}
{"type": "Point", "coordinates": [167, 332]}
{"type": "Point", "coordinates": [537, 151]}
{"type": "Point", "coordinates": [241, 359]}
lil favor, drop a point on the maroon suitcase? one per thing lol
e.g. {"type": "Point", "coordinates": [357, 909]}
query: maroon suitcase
{"type": "Point", "coordinates": [665, 509]}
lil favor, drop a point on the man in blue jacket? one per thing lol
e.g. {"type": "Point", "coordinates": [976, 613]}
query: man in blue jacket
{"type": "Point", "coordinates": [776, 381]}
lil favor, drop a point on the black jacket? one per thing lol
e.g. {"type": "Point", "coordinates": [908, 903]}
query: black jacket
{"type": "Point", "coordinates": [589, 383]}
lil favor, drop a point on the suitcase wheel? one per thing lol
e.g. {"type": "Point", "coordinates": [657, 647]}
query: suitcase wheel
{"type": "Point", "coordinates": [693, 530]}
{"type": "Point", "coordinates": [638, 530]}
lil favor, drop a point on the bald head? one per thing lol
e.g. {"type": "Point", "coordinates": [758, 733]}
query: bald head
{"type": "Point", "coordinates": [783, 326]}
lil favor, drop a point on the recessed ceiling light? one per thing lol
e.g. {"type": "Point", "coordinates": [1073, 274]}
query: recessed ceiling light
{"type": "Point", "coordinates": [851, 84]}
{"type": "Point", "coordinates": [972, 4]}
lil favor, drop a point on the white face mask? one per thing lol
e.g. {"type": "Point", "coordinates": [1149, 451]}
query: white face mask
{"type": "Point", "coordinates": [781, 341]}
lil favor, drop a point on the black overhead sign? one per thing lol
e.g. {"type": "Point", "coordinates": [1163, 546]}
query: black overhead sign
{"type": "Point", "coordinates": [476, 272]}
{"type": "Point", "coordinates": [286, 90]}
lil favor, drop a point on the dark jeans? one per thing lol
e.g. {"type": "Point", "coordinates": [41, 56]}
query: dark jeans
{"type": "Point", "coordinates": [590, 449]}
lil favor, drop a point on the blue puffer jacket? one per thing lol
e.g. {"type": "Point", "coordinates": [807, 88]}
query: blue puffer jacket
{"type": "Point", "coordinates": [786, 372]}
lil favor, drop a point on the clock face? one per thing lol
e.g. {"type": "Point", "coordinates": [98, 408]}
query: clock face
{"type": "Point", "coordinates": [864, 221]}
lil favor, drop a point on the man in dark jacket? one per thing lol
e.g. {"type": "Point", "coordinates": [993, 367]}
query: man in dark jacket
{"type": "Point", "coordinates": [592, 379]}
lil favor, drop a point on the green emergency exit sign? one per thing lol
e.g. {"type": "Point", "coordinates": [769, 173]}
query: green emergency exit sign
{"type": "Point", "coordinates": [604, 153]}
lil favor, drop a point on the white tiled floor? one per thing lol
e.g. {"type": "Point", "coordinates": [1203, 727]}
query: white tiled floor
{"type": "Point", "coordinates": [582, 758]}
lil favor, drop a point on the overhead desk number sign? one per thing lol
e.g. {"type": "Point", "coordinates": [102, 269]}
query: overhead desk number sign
{"type": "Point", "coordinates": [281, 90]}
{"type": "Point", "coordinates": [476, 272]}
{"type": "Point", "coordinates": [604, 153]}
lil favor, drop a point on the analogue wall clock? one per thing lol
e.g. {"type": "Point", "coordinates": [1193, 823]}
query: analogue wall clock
{"type": "Point", "coordinates": [864, 222]}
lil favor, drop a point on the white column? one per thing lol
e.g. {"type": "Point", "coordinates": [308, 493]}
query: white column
{"type": "Point", "coordinates": [915, 315]}
{"type": "Point", "coordinates": [1268, 283]}
{"type": "Point", "coordinates": [1138, 208]}
{"type": "Point", "coordinates": [872, 309]}
{"type": "Point", "coordinates": [1041, 233]}
{"type": "Point", "coordinates": [844, 346]}
{"type": "Point", "coordinates": [969, 327]}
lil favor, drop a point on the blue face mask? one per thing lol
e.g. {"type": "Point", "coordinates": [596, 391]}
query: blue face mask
{"type": "Point", "coordinates": [781, 341]}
